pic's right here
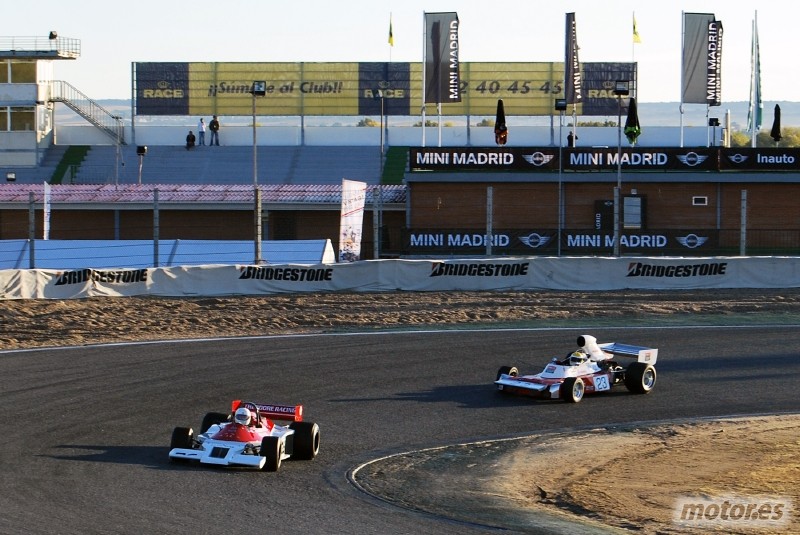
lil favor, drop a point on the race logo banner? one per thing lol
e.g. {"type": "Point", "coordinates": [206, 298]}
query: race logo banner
{"type": "Point", "coordinates": [442, 78]}
{"type": "Point", "coordinates": [352, 219]}
{"type": "Point", "coordinates": [572, 67]}
{"type": "Point", "coordinates": [162, 88]}
{"type": "Point", "coordinates": [714, 64]}
{"type": "Point", "coordinates": [695, 55]}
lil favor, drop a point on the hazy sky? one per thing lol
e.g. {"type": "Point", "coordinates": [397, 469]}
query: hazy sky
{"type": "Point", "coordinates": [115, 34]}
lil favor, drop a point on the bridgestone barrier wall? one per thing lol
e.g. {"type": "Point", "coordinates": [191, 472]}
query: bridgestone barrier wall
{"type": "Point", "coordinates": [525, 273]}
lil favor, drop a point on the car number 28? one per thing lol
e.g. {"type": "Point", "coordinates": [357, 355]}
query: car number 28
{"type": "Point", "coordinates": [601, 383]}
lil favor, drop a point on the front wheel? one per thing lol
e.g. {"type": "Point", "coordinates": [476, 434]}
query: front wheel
{"type": "Point", "coordinates": [507, 370]}
{"type": "Point", "coordinates": [182, 438]}
{"type": "Point", "coordinates": [306, 440]}
{"type": "Point", "coordinates": [272, 449]}
{"type": "Point", "coordinates": [572, 389]}
{"type": "Point", "coordinates": [212, 418]}
{"type": "Point", "coordinates": [640, 378]}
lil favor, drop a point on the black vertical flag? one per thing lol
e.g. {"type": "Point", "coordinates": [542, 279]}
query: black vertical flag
{"type": "Point", "coordinates": [775, 133]}
{"type": "Point", "coordinates": [500, 128]}
{"type": "Point", "coordinates": [632, 128]}
{"type": "Point", "coordinates": [442, 73]}
{"type": "Point", "coordinates": [572, 67]}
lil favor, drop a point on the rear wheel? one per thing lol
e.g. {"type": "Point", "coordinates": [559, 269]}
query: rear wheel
{"type": "Point", "coordinates": [640, 378]}
{"type": "Point", "coordinates": [182, 437]}
{"type": "Point", "coordinates": [306, 440]}
{"type": "Point", "coordinates": [572, 389]}
{"type": "Point", "coordinates": [212, 418]}
{"type": "Point", "coordinates": [272, 449]}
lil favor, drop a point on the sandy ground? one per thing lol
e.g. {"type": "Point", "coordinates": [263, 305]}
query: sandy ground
{"type": "Point", "coordinates": [606, 488]}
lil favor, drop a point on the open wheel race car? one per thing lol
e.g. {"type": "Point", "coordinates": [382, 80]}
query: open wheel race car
{"type": "Point", "coordinates": [248, 437]}
{"type": "Point", "coordinates": [592, 368]}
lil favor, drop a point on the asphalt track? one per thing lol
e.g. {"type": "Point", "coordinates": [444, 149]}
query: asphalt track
{"type": "Point", "coordinates": [86, 430]}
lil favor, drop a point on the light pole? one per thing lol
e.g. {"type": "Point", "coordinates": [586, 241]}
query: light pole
{"type": "Point", "coordinates": [141, 150]}
{"type": "Point", "coordinates": [259, 89]}
{"type": "Point", "coordinates": [378, 220]}
{"type": "Point", "coordinates": [561, 106]}
{"type": "Point", "coordinates": [621, 89]}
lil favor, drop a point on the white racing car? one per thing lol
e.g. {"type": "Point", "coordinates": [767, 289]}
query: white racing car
{"type": "Point", "coordinates": [592, 368]}
{"type": "Point", "coordinates": [248, 437]}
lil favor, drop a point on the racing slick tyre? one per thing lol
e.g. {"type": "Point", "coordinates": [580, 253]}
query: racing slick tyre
{"type": "Point", "coordinates": [212, 418]}
{"type": "Point", "coordinates": [272, 449]}
{"type": "Point", "coordinates": [572, 389]}
{"type": "Point", "coordinates": [306, 440]}
{"type": "Point", "coordinates": [640, 378]}
{"type": "Point", "coordinates": [507, 370]}
{"type": "Point", "coordinates": [182, 438]}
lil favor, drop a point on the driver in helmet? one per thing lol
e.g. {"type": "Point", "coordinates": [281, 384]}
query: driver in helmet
{"type": "Point", "coordinates": [243, 416]}
{"type": "Point", "coordinates": [577, 358]}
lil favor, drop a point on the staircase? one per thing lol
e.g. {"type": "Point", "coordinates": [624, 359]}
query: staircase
{"type": "Point", "coordinates": [89, 110]}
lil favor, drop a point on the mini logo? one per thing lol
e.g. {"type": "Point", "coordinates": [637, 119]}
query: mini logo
{"type": "Point", "coordinates": [535, 240]}
{"type": "Point", "coordinates": [538, 158]}
{"type": "Point", "coordinates": [692, 158]}
{"type": "Point", "coordinates": [691, 241]}
{"type": "Point", "coordinates": [163, 84]}
{"type": "Point", "coordinates": [737, 158]}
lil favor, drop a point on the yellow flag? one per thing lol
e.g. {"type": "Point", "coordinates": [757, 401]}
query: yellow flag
{"type": "Point", "coordinates": [636, 38]}
{"type": "Point", "coordinates": [391, 35]}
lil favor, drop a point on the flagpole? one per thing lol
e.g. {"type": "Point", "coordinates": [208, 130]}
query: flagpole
{"type": "Point", "coordinates": [755, 84]}
{"type": "Point", "coordinates": [424, 59]}
{"type": "Point", "coordinates": [683, 46]}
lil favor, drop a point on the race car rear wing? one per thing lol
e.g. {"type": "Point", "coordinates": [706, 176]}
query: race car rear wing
{"type": "Point", "coordinates": [648, 355]}
{"type": "Point", "coordinates": [274, 412]}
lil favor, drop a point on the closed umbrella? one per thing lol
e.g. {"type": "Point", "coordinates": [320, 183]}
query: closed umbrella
{"type": "Point", "coordinates": [632, 128]}
{"type": "Point", "coordinates": [500, 128]}
{"type": "Point", "coordinates": [775, 133]}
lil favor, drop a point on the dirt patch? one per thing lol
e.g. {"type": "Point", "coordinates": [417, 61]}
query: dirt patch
{"type": "Point", "coordinates": [38, 323]}
{"type": "Point", "coordinates": [590, 482]}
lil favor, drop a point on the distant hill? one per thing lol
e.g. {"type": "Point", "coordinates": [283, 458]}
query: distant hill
{"type": "Point", "coordinates": [650, 114]}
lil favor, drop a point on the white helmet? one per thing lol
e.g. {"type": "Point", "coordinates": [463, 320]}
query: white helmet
{"type": "Point", "coordinates": [577, 358]}
{"type": "Point", "coordinates": [242, 416]}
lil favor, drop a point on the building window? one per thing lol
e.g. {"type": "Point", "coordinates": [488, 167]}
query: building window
{"type": "Point", "coordinates": [23, 72]}
{"type": "Point", "coordinates": [23, 119]}
{"type": "Point", "coordinates": [633, 212]}
{"type": "Point", "coordinates": [700, 201]}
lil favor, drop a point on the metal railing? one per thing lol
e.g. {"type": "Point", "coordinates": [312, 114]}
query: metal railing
{"type": "Point", "coordinates": [63, 47]}
{"type": "Point", "coordinates": [88, 109]}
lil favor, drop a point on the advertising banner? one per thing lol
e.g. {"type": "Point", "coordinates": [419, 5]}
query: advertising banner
{"type": "Point", "coordinates": [351, 89]}
{"type": "Point", "coordinates": [354, 195]}
{"type": "Point", "coordinates": [694, 64]}
{"type": "Point", "coordinates": [525, 273]}
{"type": "Point", "coordinates": [483, 159]}
{"type": "Point", "coordinates": [759, 159]}
{"type": "Point", "coordinates": [572, 78]}
{"type": "Point", "coordinates": [714, 64]}
{"type": "Point", "coordinates": [535, 159]}
{"type": "Point", "coordinates": [542, 241]}
{"type": "Point", "coordinates": [442, 80]}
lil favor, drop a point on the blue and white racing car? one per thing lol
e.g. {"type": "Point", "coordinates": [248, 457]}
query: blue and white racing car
{"type": "Point", "coordinates": [592, 368]}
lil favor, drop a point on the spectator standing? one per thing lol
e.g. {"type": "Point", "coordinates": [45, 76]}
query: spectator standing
{"type": "Point", "coordinates": [571, 138]}
{"type": "Point", "coordinates": [214, 127]}
{"type": "Point", "coordinates": [201, 132]}
{"type": "Point", "coordinates": [190, 141]}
